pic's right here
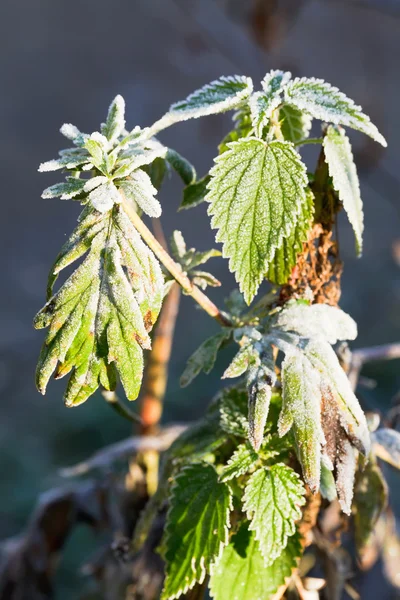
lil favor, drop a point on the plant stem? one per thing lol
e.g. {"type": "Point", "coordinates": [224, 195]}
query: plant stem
{"type": "Point", "coordinates": [309, 141]}
{"type": "Point", "coordinates": [156, 377]}
{"type": "Point", "coordinates": [175, 269]}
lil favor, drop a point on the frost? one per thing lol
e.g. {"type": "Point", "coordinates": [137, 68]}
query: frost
{"type": "Point", "coordinates": [255, 194]}
{"type": "Point", "coordinates": [317, 320]}
{"type": "Point", "coordinates": [115, 123]}
{"type": "Point", "coordinates": [345, 179]}
{"type": "Point", "coordinates": [139, 189]}
{"type": "Point", "coordinates": [104, 197]}
{"type": "Point", "coordinates": [323, 101]}
{"type": "Point", "coordinates": [262, 104]}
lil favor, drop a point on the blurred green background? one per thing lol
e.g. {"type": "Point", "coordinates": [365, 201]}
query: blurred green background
{"type": "Point", "coordinates": [64, 62]}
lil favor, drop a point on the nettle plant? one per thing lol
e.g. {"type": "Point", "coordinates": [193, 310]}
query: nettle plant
{"type": "Point", "coordinates": [243, 486]}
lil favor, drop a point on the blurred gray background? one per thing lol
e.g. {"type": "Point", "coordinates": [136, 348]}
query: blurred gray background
{"type": "Point", "coordinates": [64, 62]}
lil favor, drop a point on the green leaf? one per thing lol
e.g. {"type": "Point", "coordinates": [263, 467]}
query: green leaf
{"type": "Point", "coordinates": [99, 319]}
{"type": "Point", "coordinates": [370, 500]}
{"type": "Point", "coordinates": [66, 190]}
{"type": "Point", "coordinates": [203, 359]}
{"type": "Point", "coordinates": [295, 125]}
{"type": "Point", "coordinates": [241, 461]}
{"type": "Point", "coordinates": [256, 193]}
{"type": "Point", "coordinates": [251, 579]}
{"type": "Point", "coordinates": [139, 190]}
{"type": "Point", "coordinates": [183, 167]}
{"type": "Point", "coordinates": [301, 410]}
{"type": "Point", "coordinates": [343, 171]}
{"type": "Point", "coordinates": [104, 197]}
{"type": "Point", "coordinates": [115, 123]}
{"type": "Point", "coordinates": [260, 391]}
{"type": "Point", "coordinates": [195, 194]}
{"type": "Point", "coordinates": [285, 258]}
{"type": "Point", "coordinates": [327, 484]}
{"type": "Point", "coordinates": [262, 104]}
{"type": "Point", "coordinates": [241, 573]}
{"type": "Point", "coordinates": [200, 439]}
{"type": "Point", "coordinates": [323, 101]}
{"type": "Point", "coordinates": [196, 529]}
{"type": "Point", "coordinates": [317, 320]}
{"type": "Point", "coordinates": [225, 93]}
{"type": "Point", "coordinates": [241, 362]}
{"type": "Point", "coordinates": [233, 411]}
{"type": "Point", "coordinates": [386, 445]}
{"type": "Point", "coordinates": [272, 501]}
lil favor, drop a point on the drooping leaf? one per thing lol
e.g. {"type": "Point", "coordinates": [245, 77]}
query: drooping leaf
{"type": "Point", "coordinates": [115, 123]}
{"type": "Point", "coordinates": [285, 258]}
{"type": "Point", "coordinates": [260, 391]}
{"type": "Point", "coordinates": [317, 320]}
{"type": "Point", "coordinates": [295, 124]}
{"type": "Point", "coordinates": [323, 101]}
{"type": "Point", "coordinates": [241, 362]}
{"type": "Point", "coordinates": [250, 578]}
{"type": "Point", "coordinates": [343, 171]}
{"type": "Point", "coordinates": [139, 190]}
{"type": "Point", "coordinates": [272, 501]}
{"type": "Point", "coordinates": [346, 465]}
{"type": "Point", "coordinates": [323, 358]}
{"type": "Point", "coordinates": [100, 318]}
{"type": "Point", "coordinates": [327, 484]}
{"type": "Point", "coordinates": [182, 166]}
{"type": "Point", "coordinates": [195, 194]}
{"type": "Point", "coordinates": [370, 499]}
{"type": "Point", "coordinates": [203, 359]}
{"type": "Point", "coordinates": [262, 104]}
{"type": "Point", "coordinates": [301, 410]}
{"type": "Point", "coordinates": [386, 445]}
{"type": "Point", "coordinates": [256, 193]}
{"type": "Point", "coordinates": [225, 93]}
{"type": "Point", "coordinates": [196, 529]}
{"type": "Point", "coordinates": [241, 461]}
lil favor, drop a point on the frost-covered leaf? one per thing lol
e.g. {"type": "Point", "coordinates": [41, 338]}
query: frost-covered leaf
{"type": "Point", "coordinates": [295, 124]}
{"type": "Point", "coordinates": [203, 359]}
{"type": "Point", "coordinates": [139, 190]}
{"type": "Point", "coordinates": [370, 499]}
{"type": "Point", "coordinates": [285, 258]}
{"type": "Point", "coordinates": [97, 146]}
{"type": "Point", "coordinates": [71, 132]}
{"type": "Point", "coordinates": [178, 245]}
{"type": "Point", "coordinates": [225, 93]}
{"type": "Point", "coordinates": [262, 104]}
{"type": "Point", "coordinates": [343, 171]}
{"type": "Point", "coordinates": [301, 410]}
{"type": "Point", "coordinates": [272, 501]}
{"type": "Point", "coordinates": [246, 356]}
{"type": "Point", "coordinates": [317, 320]}
{"type": "Point", "coordinates": [259, 389]}
{"type": "Point", "coordinates": [195, 194]}
{"type": "Point", "coordinates": [99, 319]}
{"type": "Point", "coordinates": [104, 197]}
{"type": "Point", "coordinates": [255, 194]}
{"type": "Point", "coordinates": [241, 461]}
{"type": "Point", "coordinates": [182, 166]}
{"type": "Point", "coordinates": [196, 529]}
{"type": "Point", "coordinates": [233, 411]}
{"type": "Point", "coordinates": [324, 360]}
{"type": "Point", "coordinates": [64, 162]}
{"type": "Point", "coordinates": [250, 579]}
{"type": "Point", "coordinates": [199, 440]}
{"type": "Point", "coordinates": [203, 279]}
{"type": "Point", "coordinates": [66, 190]}
{"type": "Point", "coordinates": [323, 101]}
{"type": "Point", "coordinates": [140, 158]}
{"type": "Point", "coordinates": [115, 123]}
{"type": "Point", "coordinates": [386, 445]}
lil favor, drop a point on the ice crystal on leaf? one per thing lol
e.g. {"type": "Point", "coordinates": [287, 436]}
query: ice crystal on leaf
{"type": "Point", "coordinates": [322, 101]}
{"type": "Point", "coordinates": [262, 104]}
{"type": "Point", "coordinates": [343, 171]}
{"type": "Point", "coordinates": [99, 319]}
{"type": "Point", "coordinates": [256, 193]}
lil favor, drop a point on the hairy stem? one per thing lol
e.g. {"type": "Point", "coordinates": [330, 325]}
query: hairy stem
{"type": "Point", "coordinates": [175, 269]}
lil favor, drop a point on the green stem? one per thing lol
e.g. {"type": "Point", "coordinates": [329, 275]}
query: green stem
{"type": "Point", "coordinates": [309, 141]}
{"type": "Point", "coordinates": [174, 268]}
